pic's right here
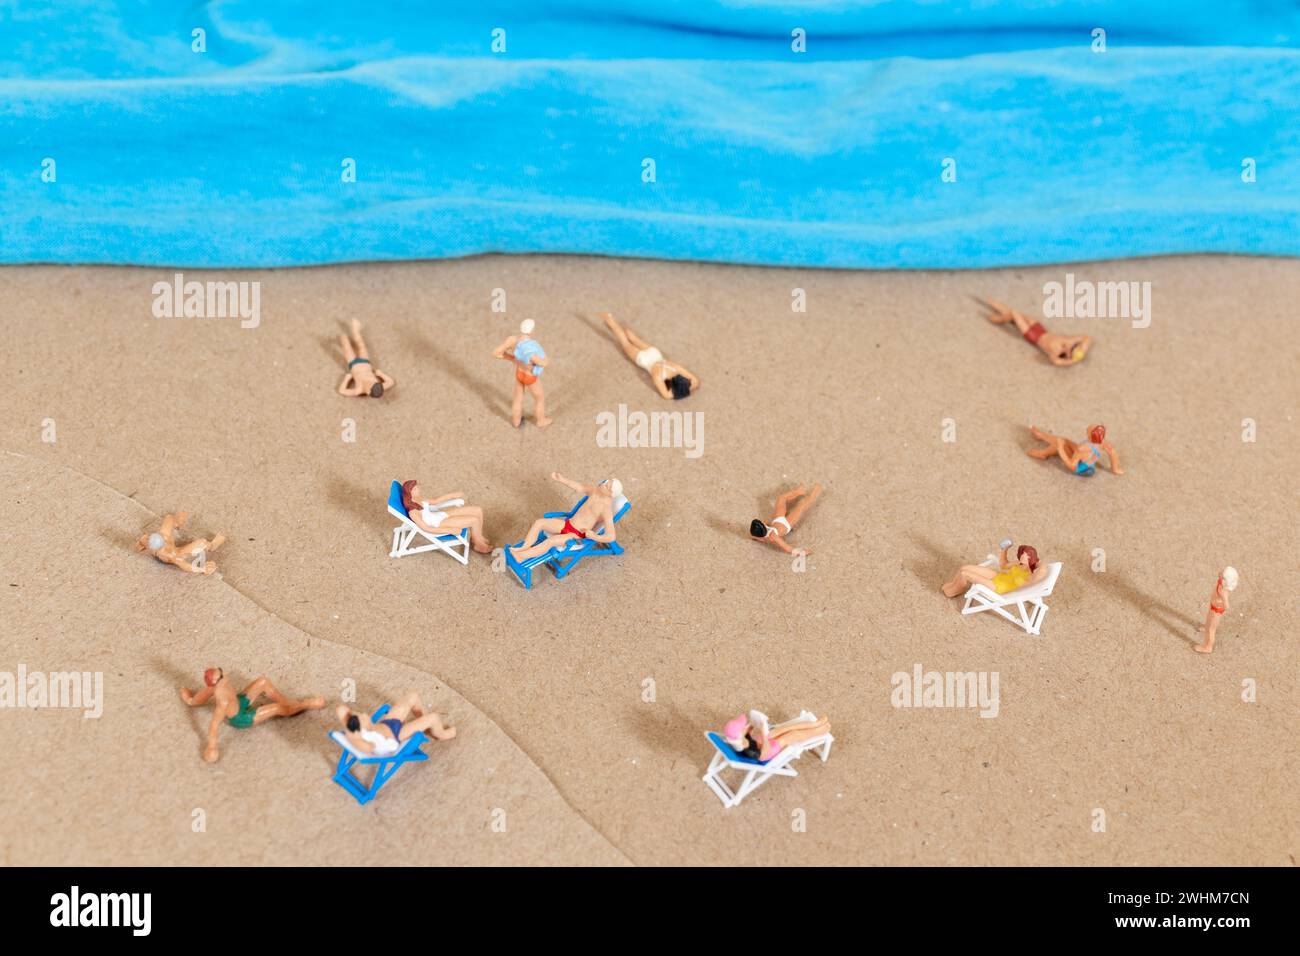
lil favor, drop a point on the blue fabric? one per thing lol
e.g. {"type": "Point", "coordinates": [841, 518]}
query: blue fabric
{"type": "Point", "coordinates": [528, 350]}
{"type": "Point", "coordinates": [832, 157]}
{"type": "Point", "coordinates": [729, 752]}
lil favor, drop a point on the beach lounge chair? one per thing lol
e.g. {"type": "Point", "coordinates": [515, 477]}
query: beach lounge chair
{"type": "Point", "coordinates": [385, 767]}
{"type": "Point", "coordinates": [404, 535]}
{"type": "Point", "coordinates": [1027, 601]}
{"type": "Point", "coordinates": [563, 560]}
{"type": "Point", "coordinates": [755, 772]}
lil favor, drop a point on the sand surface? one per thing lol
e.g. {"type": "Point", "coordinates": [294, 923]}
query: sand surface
{"type": "Point", "coordinates": [1107, 710]}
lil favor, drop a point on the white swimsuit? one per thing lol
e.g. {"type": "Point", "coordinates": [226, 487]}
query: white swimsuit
{"type": "Point", "coordinates": [433, 518]}
{"type": "Point", "coordinates": [647, 358]}
{"type": "Point", "coordinates": [783, 521]}
{"type": "Point", "coordinates": [384, 746]}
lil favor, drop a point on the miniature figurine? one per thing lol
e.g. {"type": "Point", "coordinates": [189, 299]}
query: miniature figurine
{"type": "Point", "coordinates": [1082, 459]}
{"type": "Point", "coordinates": [446, 514]}
{"type": "Point", "coordinates": [1059, 349]}
{"type": "Point", "coordinates": [548, 534]}
{"type": "Point", "coordinates": [162, 545]}
{"type": "Point", "coordinates": [1218, 607]}
{"type": "Point", "coordinates": [751, 736]}
{"type": "Point", "coordinates": [1006, 576]}
{"type": "Point", "coordinates": [361, 378]}
{"type": "Point", "coordinates": [784, 518]}
{"type": "Point", "coordinates": [670, 379]}
{"type": "Point", "coordinates": [238, 709]}
{"type": "Point", "coordinates": [405, 718]}
{"type": "Point", "coordinates": [529, 361]}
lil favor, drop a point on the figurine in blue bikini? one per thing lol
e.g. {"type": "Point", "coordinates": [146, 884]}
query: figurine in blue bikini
{"type": "Point", "coordinates": [1083, 458]}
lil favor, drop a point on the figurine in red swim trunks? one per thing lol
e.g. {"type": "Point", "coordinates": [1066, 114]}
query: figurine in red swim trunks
{"type": "Point", "coordinates": [1059, 349]}
{"type": "Point", "coordinates": [1218, 607]}
{"type": "Point", "coordinates": [594, 520]}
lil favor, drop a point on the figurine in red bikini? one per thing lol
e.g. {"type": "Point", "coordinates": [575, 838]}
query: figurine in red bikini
{"type": "Point", "coordinates": [1218, 607]}
{"type": "Point", "coordinates": [596, 512]}
{"type": "Point", "coordinates": [1059, 349]}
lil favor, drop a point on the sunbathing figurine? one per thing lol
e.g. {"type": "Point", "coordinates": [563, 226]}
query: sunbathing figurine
{"type": "Point", "coordinates": [405, 718]}
{"type": "Point", "coordinates": [596, 512]}
{"type": "Point", "coordinates": [445, 515]}
{"type": "Point", "coordinates": [237, 709]}
{"type": "Point", "coordinates": [361, 378]}
{"type": "Point", "coordinates": [1059, 349]}
{"type": "Point", "coordinates": [752, 737]}
{"type": "Point", "coordinates": [190, 557]}
{"type": "Point", "coordinates": [670, 379]}
{"type": "Point", "coordinates": [1008, 576]}
{"type": "Point", "coordinates": [1083, 458]}
{"type": "Point", "coordinates": [784, 519]}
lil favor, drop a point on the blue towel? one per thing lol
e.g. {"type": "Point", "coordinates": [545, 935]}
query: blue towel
{"type": "Point", "coordinates": [128, 137]}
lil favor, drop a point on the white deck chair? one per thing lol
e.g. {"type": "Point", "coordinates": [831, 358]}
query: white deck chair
{"type": "Point", "coordinates": [1027, 601]}
{"type": "Point", "coordinates": [456, 543]}
{"type": "Point", "coordinates": [756, 773]}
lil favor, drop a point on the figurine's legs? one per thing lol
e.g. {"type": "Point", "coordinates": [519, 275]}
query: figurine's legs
{"type": "Point", "coordinates": [621, 335]}
{"type": "Point", "coordinates": [798, 733]}
{"type": "Point", "coordinates": [430, 724]}
{"type": "Point", "coordinates": [542, 547]}
{"type": "Point", "coordinates": [539, 405]}
{"type": "Point", "coordinates": [1208, 633]}
{"type": "Point", "coordinates": [783, 501]}
{"type": "Point", "coordinates": [405, 706]}
{"type": "Point", "coordinates": [471, 517]}
{"type": "Point", "coordinates": [1053, 444]}
{"type": "Point", "coordinates": [517, 404]}
{"type": "Point", "coordinates": [349, 353]}
{"type": "Point", "coordinates": [361, 343]}
{"type": "Point", "coordinates": [282, 706]}
{"type": "Point", "coordinates": [967, 575]}
{"type": "Point", "coordinates": [798, 510]}
{"type": "Point", "coordinates": [205, 544]}
{"type": "Point", "coordinates": [551, 526]}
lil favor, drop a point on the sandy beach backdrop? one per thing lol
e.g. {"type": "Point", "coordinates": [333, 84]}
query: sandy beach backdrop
{"type": "Point", "coordinates": [561, 757]}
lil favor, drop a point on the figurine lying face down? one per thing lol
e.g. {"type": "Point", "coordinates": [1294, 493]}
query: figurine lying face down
{"type": "Point", "coordinates": [190, 557]}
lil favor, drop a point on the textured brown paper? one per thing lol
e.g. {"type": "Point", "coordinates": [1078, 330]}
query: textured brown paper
{"type": "Point", "coordinates": [1107, 710]}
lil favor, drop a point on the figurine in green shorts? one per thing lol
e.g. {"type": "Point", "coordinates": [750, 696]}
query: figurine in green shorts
{"type": "Point", "coordinates": [240, 709]}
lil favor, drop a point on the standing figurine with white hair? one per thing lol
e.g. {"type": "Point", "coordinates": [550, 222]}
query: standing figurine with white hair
{"type": "Point", "coordinates": [188, 557]}
{"type": "Point", "coordinates": [530, 361]}
{"type": "Point", "coordinates": [1226, 584]}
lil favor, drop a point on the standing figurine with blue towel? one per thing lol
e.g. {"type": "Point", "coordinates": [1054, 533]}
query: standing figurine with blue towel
{"type": "Point", "coordinates": [530, 361]}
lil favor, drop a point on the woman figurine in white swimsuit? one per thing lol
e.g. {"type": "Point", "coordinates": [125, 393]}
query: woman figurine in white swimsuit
{"type": "Point", "coordinates": [784, 518]}
{"type": "Point", "coordinates": [671, 379]}
{"type": "Point", "coordinates": [446, 514]}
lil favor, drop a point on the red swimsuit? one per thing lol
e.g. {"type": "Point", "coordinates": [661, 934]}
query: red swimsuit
{"type": "Point", "coordinates": [570, 529]}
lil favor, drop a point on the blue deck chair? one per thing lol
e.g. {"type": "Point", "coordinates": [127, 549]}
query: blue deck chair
{"type": "Point", "coordinates": [385, 767]}
{"type": "Point", "coordinates": [404, 535]}
{"type": "Point", "coordinates": [564, 560]}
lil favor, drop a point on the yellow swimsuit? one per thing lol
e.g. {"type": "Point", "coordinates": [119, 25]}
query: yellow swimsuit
{"type": "Point", "coordinates": [1008, 579]}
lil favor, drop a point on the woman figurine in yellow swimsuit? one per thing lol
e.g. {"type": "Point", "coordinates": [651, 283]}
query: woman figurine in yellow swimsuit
{"type": "Point", "coordinates": [1008, 576]}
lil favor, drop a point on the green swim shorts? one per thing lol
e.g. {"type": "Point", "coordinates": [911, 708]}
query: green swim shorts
{"type": "Point", "coordinates": [245, 716]}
